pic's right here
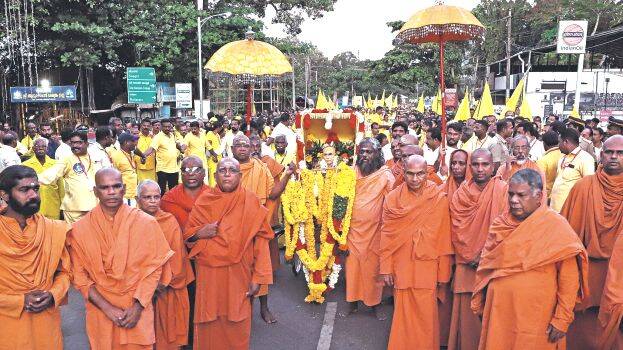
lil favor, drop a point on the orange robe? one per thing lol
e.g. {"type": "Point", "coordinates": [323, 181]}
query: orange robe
{"type": "Point", "coordinates": [390, 163]}
{"type": "Point", "coordinates": [178, 203]}
{"type": "Point", "coordinates": [471, 210]}
{"type": "Point", "coordinates": [227, 264]}
{"type": "Point", "coordinates": [124, 264]}
{"type": "Point", "coordinates": [364, 237]}
{"type": "Point", "coordinates": [594, 208]}
{"type": "Point", "coordinates": [531, 274]}
{"type": "Point", "coordinates": [32, 259]}
{"type": "Point", "coordinates": [416, 249]}
{"type": "Point", "coordinates": [172, 306]}
{"type": "Point", "coordinates": [529, 164]}
{"type": "Point", "coordinates": [257, 178]}
{"type": "Point", "coordinates": [611, 307]}
{"type": "Point", "coordinates": [276, 170]}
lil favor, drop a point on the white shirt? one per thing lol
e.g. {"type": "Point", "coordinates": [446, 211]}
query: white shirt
{"type": "Point", "coordinates": [8, 157]}
{"type": "Point", "coordinates": [387, 152]}
{"type": "Point", "coordinates": [281, 129]}
{"type": "Point", "coordinates": [227, 142]}
{"type": "Point", "coordinates": [62, 151]}
{"type": "Point", "coordinates": [536, 149]}
{"type": "Point", "coordinates": [429, 155]}
{"type": "Point", "coordinates": [99, 156]}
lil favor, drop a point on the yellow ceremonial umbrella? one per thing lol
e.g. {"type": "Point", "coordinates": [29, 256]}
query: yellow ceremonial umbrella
{"type": "Point", "coordinates": [249, 61]}
{"type": "Point", "coordinates": [485, 106]}
{"type": "Point", "coordinates": [420, 104]}
{"type": "Point", "coordinates": [440, 24]}
{"type": "Point", "coordinates": [462, 113]}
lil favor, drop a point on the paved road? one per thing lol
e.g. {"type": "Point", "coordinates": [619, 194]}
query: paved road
{"type": "Point", "coordinates": [299, 327]}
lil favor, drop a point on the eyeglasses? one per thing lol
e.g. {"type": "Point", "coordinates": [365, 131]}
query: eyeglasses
{"type": "Point", "coordinates": [224, 171]}
{"type": "Point", "coordinates": [192, 170]}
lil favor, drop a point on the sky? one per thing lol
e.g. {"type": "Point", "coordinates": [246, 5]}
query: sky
{"type": "Point", "coordinates": [358, 26]}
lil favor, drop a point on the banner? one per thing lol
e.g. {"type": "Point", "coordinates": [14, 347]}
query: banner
{"type": "Point", "coordinates": [357, 101]}
{"type": "Point", "coordinates": [183, 95]}
{"type": "Point", "coordinates": [30, 94]}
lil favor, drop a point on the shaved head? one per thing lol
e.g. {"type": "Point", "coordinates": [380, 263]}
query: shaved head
{"type": "Point", "coordinates": [481, 164]}
{"type": "Point", "coordinates": [409, 150]}
{"type": "Point", "coordinates": [612, 155]}
{"type": "Point", "coordinates": [228, 174]}
{"type": "Point", "coordinates": [241, 148]}
{"type": "Point", "coordinates": [408, 139]}
{"type": "Point", "coordinates": [109, 189]}
{"type": "Point", "coordinates": [193, 172]}
{"type": "Point", "coordinates": [106, 173]}
{"type": "Point", "coordinates": [192, 161]}
{"type": "Point", "coordinates": [240, 138]}
{"type": "Point", "coordinates": [415, 173]}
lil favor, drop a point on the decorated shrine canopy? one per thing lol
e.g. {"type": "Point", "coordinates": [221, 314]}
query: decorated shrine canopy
{"type": "Point", "coordinates": [249, 61]}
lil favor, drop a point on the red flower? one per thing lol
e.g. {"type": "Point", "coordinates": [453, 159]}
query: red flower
{"type": "Point", "coordinates": [317, 277]}
{"type": "Point", "coordinates": [352, 121]}
{"type": "Point", "coordinates": [337, 224]}
{"type": "Point", "coordinates": [297, 121]}
{"type": "Point", "coordinates": [306, 121]}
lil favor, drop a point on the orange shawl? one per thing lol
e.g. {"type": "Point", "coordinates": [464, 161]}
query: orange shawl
{"type": "Point", "coordinates": [172, 306]}
{"type": "Point", "coordinates": [472, 210]}
{"type": "Point", "coordinates": [611, 308]}
{"type": "Point", "coordinates": [517, 246]}
{"type": "Point", "coordinates": [420, 220]}
{"type": "Point", "coordinates": [240, 219]}
{"type": "Point", "coordinates": [178, 203]}
{"type": "Point", "coordinates": [257, 178]}
{"type": "Point", "coordinates": [529, 164]}
{"type": "Point", "coordinates": [594, 208]}
{"type": "Point", "coordinates": [398, 172]}
{"type": "Point", "coordinates": [33, 259]}
{"type": "Point", "coordinates": [367, 209]}
{"type": "Point", "coordinates": [275, 171]}
{"type": "Point", "coordinates": [450, 186]}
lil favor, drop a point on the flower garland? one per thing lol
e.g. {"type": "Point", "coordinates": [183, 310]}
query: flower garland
{"type": "Point", "coordinates": [294, 213]}
{"type": "Point", "coordinates": [340, 204]}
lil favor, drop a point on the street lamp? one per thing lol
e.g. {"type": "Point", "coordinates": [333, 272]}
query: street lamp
{"type": "Point", "coordinates": [200, 23]}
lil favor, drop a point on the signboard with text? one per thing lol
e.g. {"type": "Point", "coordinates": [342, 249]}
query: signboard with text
{"type": "Point", "coordinates": [31, 94]}
{"type": "Point", "coordinates": [183, 95]}
{"type": "Point", "coordinates": [141, 85]}
{"type": "Point", "coordinates": [572, 37]}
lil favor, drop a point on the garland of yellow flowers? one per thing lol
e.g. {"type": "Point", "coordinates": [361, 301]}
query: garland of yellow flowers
{"type": "Point", "coordinates": [294, 213]}
{"type": "Point", "coordinates": [343, 185]}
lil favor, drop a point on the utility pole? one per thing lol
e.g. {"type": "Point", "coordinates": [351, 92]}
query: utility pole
{"type": "Point", "coordinates": [508, 55]}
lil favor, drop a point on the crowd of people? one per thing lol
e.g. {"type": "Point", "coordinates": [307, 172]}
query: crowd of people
{"type": "Point", "coordinates": [500, 233]}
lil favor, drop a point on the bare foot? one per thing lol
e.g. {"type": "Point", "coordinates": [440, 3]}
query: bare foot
{"type": "Point", "coordinates": [379, 313]}
{"type": "Point", "coordinates": [267, 316]}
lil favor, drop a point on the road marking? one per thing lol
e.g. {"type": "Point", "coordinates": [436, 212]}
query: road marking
{"type": "Point", "coordinates": [326, 333]}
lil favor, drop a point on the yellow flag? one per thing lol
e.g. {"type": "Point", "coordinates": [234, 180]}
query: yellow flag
{"type": "Point", "coordinates": [383, 99]}
{"type": "Point", "coordinates": [436, 107]}
{"type": "Point", "coordinates": [524, 109]}
{"type": "Point", "coordinates": [389, 101]}
{"type": "Point", "coordinates": [513, 101]}
{"type": "Point", "coordinates": [395, 105]}
{"type": "Point", "coordinates": [462, 113]}
{"type": "Point", "coordinates": [420, 104]}
{"type": "Point", "coordinates": [369, 103]}
{"type": "Point", "coordinates": [485, 107]}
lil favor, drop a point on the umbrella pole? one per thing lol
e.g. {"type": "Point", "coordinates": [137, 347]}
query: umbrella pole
{"type": "Point", "coordinates": [249, 104]}
{"type": "Point", "coordinates": [443, 98]}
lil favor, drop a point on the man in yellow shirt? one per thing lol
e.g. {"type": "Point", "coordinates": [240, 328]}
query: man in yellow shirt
{"type": "Point", "coordinates": [78, 172]}
{"type": "Point", "coordinates": [282, 156]}
{"type": "Point", "coordinates": [51, 195]}
{"type": "Point", "coordinates": [574, 165]}
{"type": "Point", "coordinates": [548, 163]}
{"type": "Point", "coordinates": [146, 170]}
{"type": "Point", "coordinates": [214, 139]}
{"type": "Point", "coordinates": [197, 144]}
{"type": "Point", "coordinates": [28, 141]}
{"type": "Point", "coordinates": [167, 149]}
{"type": "Point", "coordinates": [124, 161]}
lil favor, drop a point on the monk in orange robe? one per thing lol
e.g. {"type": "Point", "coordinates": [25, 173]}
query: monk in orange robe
{"type": "Point", "coordinates": [459, 173]}
{"type": "Point", "coordinates": [594, 208]}
{"type": "Point", "coordinates": [256, 177]}
{"type": "Point", "coordinates": [172, 306]}
{"type": "Point", "coordinates": [473, 207]}
{"type": "Point", "coordinates": [611, 306]}
{"type": "Point", "coordinates": [415, 256]}
{"type": "Point", "coordinates": [396, 155]}
{"type": "Point", "coordinates": [230, 229]}
{"type": "Point", "coordinates": [407, 151]}
{"type": "Point", "coordinates": [117, 267]}
{"type": "Point", "coordinates": [519, 160]}
{"type": "Point", "coordinates": [532, 271]}
{"type": "Point", "coordinates": [374, 181]}
{"type": "Point", "coordinates": [180, 199]}
{"type": "Point", "coordinates": [34, 266]}
{"type": "Point", "coordinates": [276, 170]}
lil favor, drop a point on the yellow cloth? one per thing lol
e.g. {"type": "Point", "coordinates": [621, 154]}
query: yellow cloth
{"type": "Point", "coordinates": [215, 144]}
{"type": "Point", "coordinates": [375, 118]}
{"type": "Point", "coordinates": [79, 179]}
{"type": "Point", "coordinates": [197, 146]}
{"type": "Point", "coordinates": [549, 165]}
{"type": "Point", "coordinates": [143, 144]}
{"type": "Point", "coordinates": [52, 194]}
{"type": "Point", "coordinates": [126, 164]}
{"type": "Point", "coordinates": [285, 159]}
{"type": "Point", "coordinates": [571, 168]}
{"type": "Point", "coordinates": [27, 143]}
{"type": "Point", "coordinates": [166, 152]}
{"type": "Point", "coordinates": [474, 143]}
